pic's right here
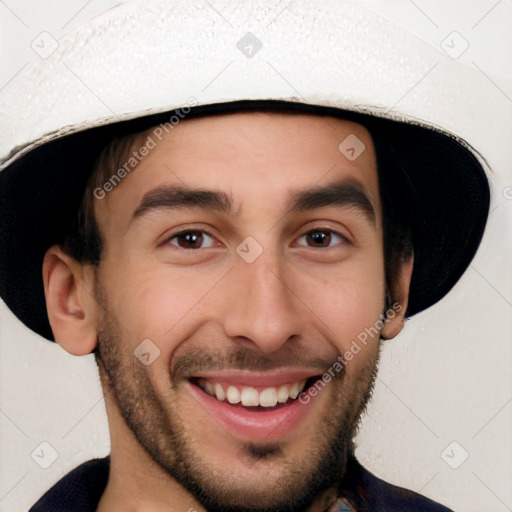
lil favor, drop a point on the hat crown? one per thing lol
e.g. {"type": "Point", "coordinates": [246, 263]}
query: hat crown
{"type": "Point", "coordinates": [155, 55]}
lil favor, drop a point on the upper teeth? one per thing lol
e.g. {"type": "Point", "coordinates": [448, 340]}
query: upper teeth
{"type": "Point", "coordinates": [249, 396]}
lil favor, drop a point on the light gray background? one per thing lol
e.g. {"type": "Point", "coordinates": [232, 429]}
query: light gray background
{"type": "Point", "coordinates": [447, 378]}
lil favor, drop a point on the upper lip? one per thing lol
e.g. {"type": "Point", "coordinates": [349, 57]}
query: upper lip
{"type": "Point", "coordinates": [276, 377]}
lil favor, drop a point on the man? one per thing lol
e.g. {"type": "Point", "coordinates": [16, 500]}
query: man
{"type": "Point", "coordinates": [234, 268]}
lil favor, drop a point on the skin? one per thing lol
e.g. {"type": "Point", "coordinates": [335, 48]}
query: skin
{"type": "Point", "coordinates": [295, 306]}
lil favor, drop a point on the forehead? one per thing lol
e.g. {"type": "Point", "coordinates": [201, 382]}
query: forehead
{"type": "Point", "coordinates": [258, 159]}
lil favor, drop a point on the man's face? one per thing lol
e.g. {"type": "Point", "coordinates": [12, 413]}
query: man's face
{"type": "Point", "coordinates": [184, 270]}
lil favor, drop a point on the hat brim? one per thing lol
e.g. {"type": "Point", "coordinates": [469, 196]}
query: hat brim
{"type": "Point", "coordinates": [40, 193]}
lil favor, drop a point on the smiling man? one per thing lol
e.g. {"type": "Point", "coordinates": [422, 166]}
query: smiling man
{"type": "Point", "coordinates": [215, 417]}
{"type": "Point", "coordinates": [235, 288]}
{"type": "Point", "coordinates": [235, 266]}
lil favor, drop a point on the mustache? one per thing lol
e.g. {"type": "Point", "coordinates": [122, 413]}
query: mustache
{"type": "Point", "coordinates": [191, 363]}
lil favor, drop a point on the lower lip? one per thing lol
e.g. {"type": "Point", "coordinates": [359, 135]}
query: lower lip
{"type": "Point", "coordinates": [262, 424]}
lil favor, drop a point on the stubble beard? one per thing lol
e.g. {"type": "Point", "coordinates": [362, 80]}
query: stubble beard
{"type": "Point", "coordinates": [157, 425]}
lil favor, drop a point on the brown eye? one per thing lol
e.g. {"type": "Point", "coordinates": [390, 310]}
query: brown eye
{"type": "Point", "coordinates": [192, 240]}
{"type": "Point", "coordinates": [321, 238]}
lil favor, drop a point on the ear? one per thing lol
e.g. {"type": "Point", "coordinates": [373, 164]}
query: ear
{"type": "Point", "coordinates": [395, 317]}
{"type": "Point", "coordinates": [72, 309]}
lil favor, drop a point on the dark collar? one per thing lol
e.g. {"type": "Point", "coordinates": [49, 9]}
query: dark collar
{"type": "Point", "coordinates": [81, 490]}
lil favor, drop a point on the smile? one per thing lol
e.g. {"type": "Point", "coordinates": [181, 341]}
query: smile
{"type": "Point", "coordinates": [251, 396]}
{"type": "Point", "coordinates": [255, 406]}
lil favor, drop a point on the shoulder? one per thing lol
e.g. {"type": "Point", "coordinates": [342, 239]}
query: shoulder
{"type": "Point", "coordinates": [375, 495]}
{"type": "Point", "coordinates": [81, 489]}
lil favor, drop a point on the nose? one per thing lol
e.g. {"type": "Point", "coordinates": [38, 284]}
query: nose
{"type": "Point", "coordinates": [261, 306]}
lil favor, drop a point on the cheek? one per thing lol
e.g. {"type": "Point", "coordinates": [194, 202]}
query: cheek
{"type": "Point", "coordinates": [349, 303]}
{"type": "Point", "coordinates": [154, 301]}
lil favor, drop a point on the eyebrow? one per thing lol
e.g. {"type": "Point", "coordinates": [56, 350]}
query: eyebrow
{"type": "Point", "coordinates": [343, 194]}
{"type": "Point", "coordinates": [182, 197]}
{"type": "Point", "coordinates": [177, 197]}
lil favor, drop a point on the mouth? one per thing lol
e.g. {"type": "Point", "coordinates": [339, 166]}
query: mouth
{"type": "Point", "coordinates": [255, 406]}
{"type": "Point", "coordinates": [249, 396]}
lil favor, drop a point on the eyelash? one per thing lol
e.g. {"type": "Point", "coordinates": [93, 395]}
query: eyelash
{"type": "Point", "coordinates": [344, 239]}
